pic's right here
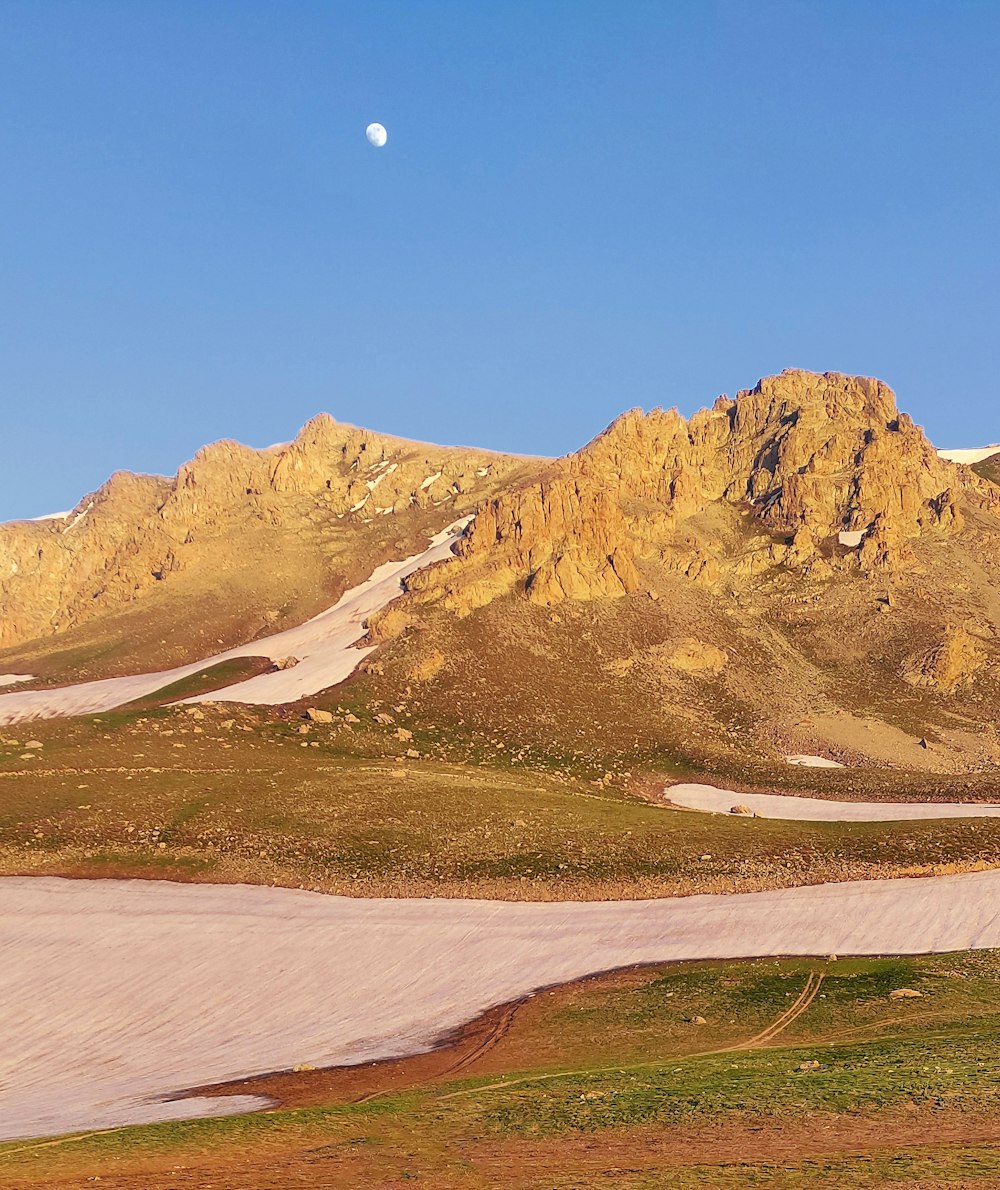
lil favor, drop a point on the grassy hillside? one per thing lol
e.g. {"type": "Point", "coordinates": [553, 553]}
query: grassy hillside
{"type": "Point", "coordinates": [406, 807]}
{"type": "Point", "coordinates": [989, 468]}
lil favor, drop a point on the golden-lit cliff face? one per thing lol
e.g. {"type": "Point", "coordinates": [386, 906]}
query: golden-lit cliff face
{"type": "Point", "coordinates": [232, 509]}
{"type": "Point", "coordinates": [809, 456]}
{"type": "Point", "coordinates": [808, 477]}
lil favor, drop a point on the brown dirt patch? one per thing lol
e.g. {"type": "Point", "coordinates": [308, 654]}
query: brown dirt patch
{"type": "Point", "coordinates": [455, 1054]}
{"type": "Point", "coordinates": [638, 1150]}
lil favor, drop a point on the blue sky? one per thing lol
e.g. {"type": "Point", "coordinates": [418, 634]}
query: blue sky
{"type": "Point", "coordinates": [582, 207]}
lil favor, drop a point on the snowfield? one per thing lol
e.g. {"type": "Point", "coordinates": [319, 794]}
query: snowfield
{"type": "Point", "coordinates": [968, 457]}
{"type": "Point", "coordinates": [814, 809]}
{"type": "Point", "coordinates": [13, 679]}
{"type": "Point", "coordinates": [116, 994]}
{"type": "Point", "coordinates": [324, 646]}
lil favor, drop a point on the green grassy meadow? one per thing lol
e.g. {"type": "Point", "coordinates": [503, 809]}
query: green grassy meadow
{"type": "Point", "coordinates": [231, 793]}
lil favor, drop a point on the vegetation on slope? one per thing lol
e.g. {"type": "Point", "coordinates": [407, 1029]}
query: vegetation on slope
{"type": "Point", "coordinates": [764, 1073]}
{"type": "Point", "coordinates": [403, 807]}
{"type": "Point", "coordinates": [989, 468]}
{"type": "Point", "coordinates": [212, 677]}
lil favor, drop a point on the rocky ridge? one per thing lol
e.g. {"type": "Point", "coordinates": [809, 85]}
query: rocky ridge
{"type": "Point", "coordinates": [811, 474]}
{"type": "Point", "coordinates": [829, 474]}
{"type": "Point", "coordinates": [136, 531]}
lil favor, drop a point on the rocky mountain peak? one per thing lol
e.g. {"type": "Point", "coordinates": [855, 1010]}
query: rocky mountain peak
{"type": "Point", "coordinates": [808, 472]}
{"type": "Point", "coordinates": [808, 455]}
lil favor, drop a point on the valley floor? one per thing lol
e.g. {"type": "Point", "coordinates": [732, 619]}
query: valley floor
{"type": "Point", "coordinates": [383, 802]}
{"type": "Point", "coordinates": [767, 1073]}
{"type": "Point", "coordinates": [391, 805]}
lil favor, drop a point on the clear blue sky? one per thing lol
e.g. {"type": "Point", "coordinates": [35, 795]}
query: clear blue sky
{"type": "Point", "coordinates": [582, 207]}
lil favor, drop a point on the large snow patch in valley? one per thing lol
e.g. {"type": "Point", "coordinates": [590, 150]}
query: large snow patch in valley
{"type": "Point", "coordinates": [116, 994]}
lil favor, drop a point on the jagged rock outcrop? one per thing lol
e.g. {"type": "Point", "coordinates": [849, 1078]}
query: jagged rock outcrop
{"type": "Point", "coordinates": [100, 554]}
{"type": "Point", "coordinates": [565, 538]}
{"type": "Point", "coordinates": [810, 456]}
{"type": "Point", "coordinates": [806, 473]}
{"type": "Point", "coordinates": [137, 531]}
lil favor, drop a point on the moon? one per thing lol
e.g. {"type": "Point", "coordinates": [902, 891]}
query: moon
{"type": "Point", "coordinates": [377, 135]}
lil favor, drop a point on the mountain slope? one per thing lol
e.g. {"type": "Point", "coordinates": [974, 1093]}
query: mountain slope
{"type": "Point", "coordinates": [149, 572]}
{"type": "Point", "coordinates": [794, 570]}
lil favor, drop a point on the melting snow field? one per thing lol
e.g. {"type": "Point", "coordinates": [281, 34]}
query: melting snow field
{"type": "Point", "coordinates": [813, 809]}
{"type": "Point", "coordinates": [324, 646]}
{"type": "Point", "coordinates": [13, 679]}
{"type": "Point", "coordinates": [969, 456]}
{"type": "Point", "coordinates": [115, 994]}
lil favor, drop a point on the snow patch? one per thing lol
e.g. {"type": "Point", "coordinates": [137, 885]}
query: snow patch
{"type": "Point", "coordinates": [851, 537]}
{"type": "Point", "coordinates": [372, 484]}
{"type": "Point", "coordinates": [324, 646]}
{"type": "Point", "coordinates": [128, 990]}
{"type": "Point", "coordinates": [79, 516]}
{"type": "Point", "coordinates": [12, 679]}
{"type": "Point", "coordinates": [814, 809]}
{"type": "Point", "coordinates": [968, 457]}
{"type": "Point", "coordinates": [429, 480]}
{"type": "Point", "coordinates": [813, 762]}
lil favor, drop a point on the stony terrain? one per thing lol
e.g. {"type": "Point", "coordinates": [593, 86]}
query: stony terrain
{"type": "Point", "coordinates": [794, 569]}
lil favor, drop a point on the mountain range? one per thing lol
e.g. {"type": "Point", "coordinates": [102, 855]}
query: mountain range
{"type": "Point", "coordinates": [793, 570]}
